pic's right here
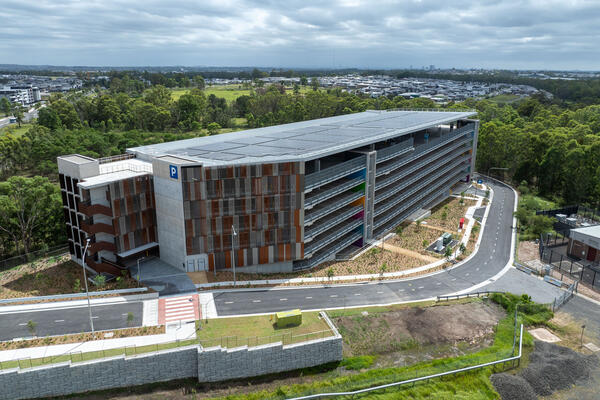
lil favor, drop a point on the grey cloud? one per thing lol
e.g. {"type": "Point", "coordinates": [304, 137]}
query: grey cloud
{"type": "Point", "coordinates": [303, 33]}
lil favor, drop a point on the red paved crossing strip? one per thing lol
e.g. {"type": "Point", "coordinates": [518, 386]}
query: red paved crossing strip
{"type": "Point", "coordinates": [175, 309]}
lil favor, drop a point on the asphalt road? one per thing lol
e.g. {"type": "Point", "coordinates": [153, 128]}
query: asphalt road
{"type": "Point", "coordinates": [71, 320]}
{"type": "Point", "coordinates": [492, 257]}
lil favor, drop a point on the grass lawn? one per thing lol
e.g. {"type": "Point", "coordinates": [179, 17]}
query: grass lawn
{"type": "Point", "coordinates": [257, 330]}
{"type": "Point", "coordinates": [15, 130]}
{"type": "Point", "coordinates": [470, 385]}
{"type": "Point", "coordinates": [504, 98]}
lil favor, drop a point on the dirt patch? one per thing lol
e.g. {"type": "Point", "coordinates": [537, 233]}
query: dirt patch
{"type": "Point", "coordinates": [528, 250]}
{"type": "Point", "coordinates": [420, 333]}
{"type": "Point", "coordinates": [551, 368]}
{"type": "Point", "coordinates": [415, 238]}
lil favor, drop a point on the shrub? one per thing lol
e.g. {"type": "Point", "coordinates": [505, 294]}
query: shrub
{"type": "Point", "coordinates": [99, 280]}
{"type": "Point", "coordinates": [425, 242]}
{"type": "Point", "coordinates": [358, 362]}
{"type": "Point", "coordinates": [77, 286]}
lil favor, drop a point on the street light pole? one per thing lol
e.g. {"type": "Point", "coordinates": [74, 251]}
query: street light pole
{"type": "Point", "coordinates": [233, 234]}
{"type": "Point", "coordinates": [87, 243]}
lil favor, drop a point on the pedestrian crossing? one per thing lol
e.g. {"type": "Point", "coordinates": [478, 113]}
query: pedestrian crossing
{"type": "Point", "coordinates": [178, 309]}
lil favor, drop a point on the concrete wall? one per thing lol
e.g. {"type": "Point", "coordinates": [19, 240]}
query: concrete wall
{"type": "Point", "coordinates": [217, 364]}
{"type": "Point", "coordinates": [63, 379]}
{"type": "Point", "coordinates": [209, 365]}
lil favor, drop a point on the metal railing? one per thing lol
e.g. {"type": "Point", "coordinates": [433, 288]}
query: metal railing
{"type": "Point", "coordinates": [335, 219]}
{"type": "Point", "coordinates": [315, 197]}
{"type": "Point", "coordinates": [323, 254]}
{"type": "Point", "coordinates": [415, 199]}
{"type": "Point", "coordinates": [565, 297]}
{"type": "Point", "coordinates": [326, 208]}
{"type": "Point", "coordinates": [283, 338]}
{"type": "Point", "coordinates": [118, 157]}
{"type": "Point", "coordinates": [331, 236]}
{"type": "Point", "coordinates": [425, 149]}
{"type": "Point", "coordinates": [384, 206]}
{"type": "Point", "coordinates": [433, 109]}
{"type": "Point", "coordinates": [335, 172]}
{"type": "Point", "coordinates": [422, 378]}
{"type": "Point", "coordinates": [400, 173]}
{"type": "Point", "coordinates": [413, 178]}
{"type": "Point", "coordinates": [126, 167]}
{"type": "Point", "coordinates": [396, 150]}
{"type": "Point", "coordinates": [72, 295]}
{"type": "Point", "coordinates": [484, 293]}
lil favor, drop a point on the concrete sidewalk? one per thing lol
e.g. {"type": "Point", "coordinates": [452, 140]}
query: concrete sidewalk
{"type": "Point", "coordinates": [183, 331]}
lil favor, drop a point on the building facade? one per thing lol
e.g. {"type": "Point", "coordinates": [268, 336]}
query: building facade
{"type": "Point", "coordinates": [274, 199]}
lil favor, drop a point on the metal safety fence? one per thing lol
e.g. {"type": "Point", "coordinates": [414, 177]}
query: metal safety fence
{"type": "Point", "coordinates": [32, 256]}
{"type": "Point", "coordinates": [566, 296]}
{"type": "Point", "coordinates": [585, 272]}
{"type": "Point", "coordinates": [484, 362]}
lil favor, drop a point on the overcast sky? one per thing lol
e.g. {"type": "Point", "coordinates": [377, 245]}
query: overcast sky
{"type": "Point", "coordinates": [536, 34]}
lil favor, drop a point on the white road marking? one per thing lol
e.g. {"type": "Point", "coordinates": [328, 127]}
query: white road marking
{"type": "Point", "coordinates": [256, 301]}
{"type": "Point", "coordinates": [95, 317]}
{"type": "Point", "coordinates": [467, 274]}
{"type": "Point", "coordinates": [333, 295]}
{"type": "Point", "coordinates": [453, 279]}
{"type": "Point", "coordinates": [357, 294]}
{"type": "Point", "coordinates": [59, 320]}
{"type": "Point", "coordinates": [284, 299]}
{"type": "Point", "coordinates": [402, 290]}
{"type": "Point", "coordinates": [421, 287]}
{"type": "Point", "coordinates": [229, 302]}
{"type": "Point", "coordinates": [380, 292]}
{"type": "Point", "coordinates": [309, 297]}
{"type": "Point", "coordinates": [23, 324]}
{"type": "Point", "coordinates": [439, 283]}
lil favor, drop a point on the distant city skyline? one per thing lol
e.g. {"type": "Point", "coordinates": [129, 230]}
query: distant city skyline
{"type": "Point", "coordinates": [512, 34]}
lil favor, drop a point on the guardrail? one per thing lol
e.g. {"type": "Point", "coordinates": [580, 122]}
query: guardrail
{"type": "Point", "coordinates": [422, 378]}
{"type": "Point", "coordinates": [433, 109]}
{"type": "Point", "coordinates": [73, 295]}
{"type": "Point", "coordinates": [468, 295]}
{"type": "Point", "coordinates": [337, 171]}
{"type": "Point", "coordinates": [563, 298]}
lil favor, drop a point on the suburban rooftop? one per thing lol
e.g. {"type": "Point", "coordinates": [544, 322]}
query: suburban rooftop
{"type": "Point", "coordinates": [300, 141]}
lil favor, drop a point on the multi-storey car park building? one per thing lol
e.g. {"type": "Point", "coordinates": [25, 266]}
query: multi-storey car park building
{"type": "Point", "coordinates": [281, 198]}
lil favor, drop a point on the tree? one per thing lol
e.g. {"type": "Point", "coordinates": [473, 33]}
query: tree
{"type": "Point", "coordinates": [213, 128]}
{"type": "Point", "coordinates": [314, 83]}
{"type": "Point", "coordinates": [448, 253]}
{"type": "Point", "coordinates": [48, 117]}
{"type": "Point", "coordinates": [199, 81]}
{"type": "Point", "coordinates": [31, 325]}
{"type": "Point", "coordinates": [5, 106]}
{"type": "Point", "coordinates": [303, 80]}
{"type": "Point", "coordinates": [330, 273]}
{"type": "Point", "coordinates": [17, 112]}
{"type": "Point", "coordinates": [158, 95]}
{"type": "Point", "coordinates": [30, 211]}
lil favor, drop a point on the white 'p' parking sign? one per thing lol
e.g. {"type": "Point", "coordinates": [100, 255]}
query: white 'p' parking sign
{"type": "Point", "coordinates": [173, 172]}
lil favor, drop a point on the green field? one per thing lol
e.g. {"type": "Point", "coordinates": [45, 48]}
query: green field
{"type": "Point", "coordinates": [257, 330]}
{"type": "Point", "coordinates": [230, 92]}
{"type": "Point", "coordinates": [15, 130]}
{"type": "Point", "coordinates": [505, 98]}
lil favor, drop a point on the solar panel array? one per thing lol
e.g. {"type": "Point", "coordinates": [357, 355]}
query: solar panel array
{"type": "Point", "coordinates": [305, 139]}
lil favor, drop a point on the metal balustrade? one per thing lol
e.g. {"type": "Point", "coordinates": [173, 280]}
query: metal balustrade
{"type": "Point", "coordinates": [380, 196]}
{"type": "Point", "coordinates": [400, 163]}
{"type": "Point", "coordinates": [325, 192]}
{"type": "Point", "coordinates": [329, 237]}
{"type": "Point", "coordinates": [337, 171]}
{"type": "Point", "coordinates": [393, 222]}
{"type": "Point", "coordinates": [395, 200]}
{"type": "Point", "coordinates": [327, 207]}
{"type": "Point", "coordinates": [414, 200]}
{"type": "Point", "coordinates": [396, 150]}
{"type": "Point", "coordinates": [327, 252]}
{"type": "Point", "coordinates": [336, 218]}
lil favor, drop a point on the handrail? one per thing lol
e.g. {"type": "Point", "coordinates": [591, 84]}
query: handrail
{"type": "Point", "coordinates": [395, 150]}
{"type": "Point", "coordinates": [332, 173]}
{"type": "Point", "coordinates": [313, 198]}
{"type": "Point", "coordinates": [419, 379]}
{"type": "Point", "coordinates": [433, 109]}
{"type": "Point", "coordinates": [73, 295]}
{"type": "Point", "coordinates": [468, 295]}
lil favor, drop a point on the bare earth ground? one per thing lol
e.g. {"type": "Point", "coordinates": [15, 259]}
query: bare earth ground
{"type": "Point", "coordinates": [431, 332]}
{"type": "Point", "coordinates": [415, 334]}
{"type": "Point", "coordinates": [413, 237]}
{"type": "Point", "coordinates": [527, 251]}
{"type": "Point", "coordinates": [49, 276]}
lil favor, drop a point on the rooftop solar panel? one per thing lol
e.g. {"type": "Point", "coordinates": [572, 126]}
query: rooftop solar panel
{"type": "Point", "coordinates": [302, 140]}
